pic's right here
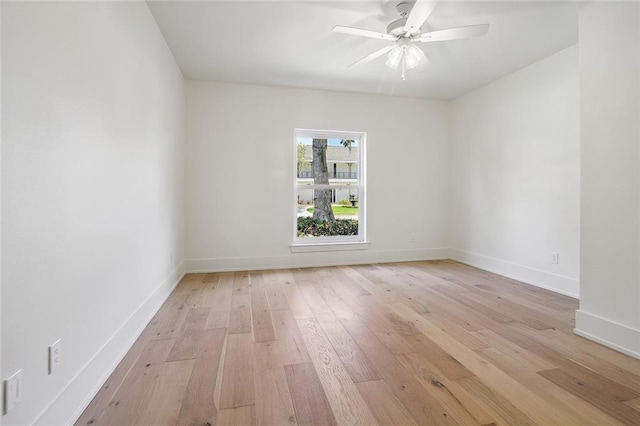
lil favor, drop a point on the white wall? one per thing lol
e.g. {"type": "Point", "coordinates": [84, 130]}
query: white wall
{"type": "Point", "coordinates": [610, 115]}
{"type": "Point", "coordinates": [239, 179]}
{"type": "Point", "coordinates": [1, 387]}
{"type": "Point", "coordinates": [92, 187]}
{"type": "Point", "coordinates": [515, 174]}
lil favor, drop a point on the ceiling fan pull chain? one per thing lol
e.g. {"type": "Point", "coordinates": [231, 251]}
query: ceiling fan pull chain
{"type": "Point", "coordinates": [403, 67]}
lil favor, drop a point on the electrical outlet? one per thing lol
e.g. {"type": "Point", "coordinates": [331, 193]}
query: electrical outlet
{"type": "Point", "coordinates": [12, 391]}
{"type": "Point", "coordinates": [555, 258]}
{"type": "Point", "coordinates": [55, 356]}
{"type": "Point", "coordinates": [413, 238]}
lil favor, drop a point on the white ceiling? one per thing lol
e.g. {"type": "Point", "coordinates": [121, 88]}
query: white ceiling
{"type": "Point", "coordinates": [290, 43]}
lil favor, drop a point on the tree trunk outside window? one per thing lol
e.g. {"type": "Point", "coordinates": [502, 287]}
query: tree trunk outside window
{"type": "Point", "coordinates": [322, 199]}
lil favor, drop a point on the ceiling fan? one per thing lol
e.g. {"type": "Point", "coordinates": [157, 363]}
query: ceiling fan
{"type": "Point", "coordinates": [406, 31]}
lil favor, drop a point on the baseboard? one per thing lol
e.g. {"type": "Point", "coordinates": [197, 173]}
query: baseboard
{"type": "Point", "coordinates": [619, 337]}
{"type": "Point", "coordinates": [549, 281]}
{"type": "Point", "coordinates": [318, 259]}
{"type": "Point", "coordinates": [74, 398]}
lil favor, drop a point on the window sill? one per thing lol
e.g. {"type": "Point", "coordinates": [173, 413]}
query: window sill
{"type": "Point", "coordinates": [310, 248]}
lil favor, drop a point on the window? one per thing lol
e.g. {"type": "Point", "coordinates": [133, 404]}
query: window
{"type": "Point", "coordinates": [329, 188]}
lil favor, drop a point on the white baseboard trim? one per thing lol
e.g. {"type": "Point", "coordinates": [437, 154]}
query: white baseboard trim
{"type": "Point", "coordinates": [619, 337]}
{"type": "Point", "coordinates": [302, 260]}
{"type": "Point", "coordinates": [74, 398]}
{"type": "Point", "coordinates": [549, 281]}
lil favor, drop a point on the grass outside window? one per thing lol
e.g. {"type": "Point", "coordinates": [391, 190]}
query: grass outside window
{"type": "Point", "coordinates": [340, 210]}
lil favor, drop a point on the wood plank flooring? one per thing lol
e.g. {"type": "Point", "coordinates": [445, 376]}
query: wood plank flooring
{"type": "Point", "coordinates": [423, 343]}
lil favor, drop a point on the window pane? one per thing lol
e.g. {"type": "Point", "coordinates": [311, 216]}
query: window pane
{"type": "Point", "coordinates": [340, 219]}
{"type": "Point", "coordinates": [336, 160]}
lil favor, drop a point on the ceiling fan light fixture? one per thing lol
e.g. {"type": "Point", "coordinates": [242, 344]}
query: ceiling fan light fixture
{"type": "Point", "coordinates": [395, 56]}
{"type": "Point", "coordinates": [406, 54]}
{"type": "Point", "coordinates": [412, 56]}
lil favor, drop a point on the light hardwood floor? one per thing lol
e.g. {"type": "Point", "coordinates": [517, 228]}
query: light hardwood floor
{"type": "Point", "coordinates": [423, 343]}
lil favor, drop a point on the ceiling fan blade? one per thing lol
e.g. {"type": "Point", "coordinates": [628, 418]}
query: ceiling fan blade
{"type": "Point", "coordinates": [372, 56]}
{"type": "Point", "coordinates": [363, 33]}
{"type": "Point", "coordinates": [455, 33]}
{"type": "Point", "coordinates": [419, 14]}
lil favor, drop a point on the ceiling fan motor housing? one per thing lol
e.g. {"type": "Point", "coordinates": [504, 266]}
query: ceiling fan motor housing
{"type": "Point", "coordinates": [396, 28]}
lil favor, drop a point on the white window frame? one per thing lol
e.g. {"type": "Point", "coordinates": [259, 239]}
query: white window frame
{"type": "Point", "coordinates": [342, 242]}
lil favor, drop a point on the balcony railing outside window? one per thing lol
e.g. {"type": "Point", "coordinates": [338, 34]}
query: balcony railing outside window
{"type": "Point", "coordinates": [308, 174]}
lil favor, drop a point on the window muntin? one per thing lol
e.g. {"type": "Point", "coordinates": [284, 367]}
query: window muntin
{"type": "Point", "coordinates": [337, 179]}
